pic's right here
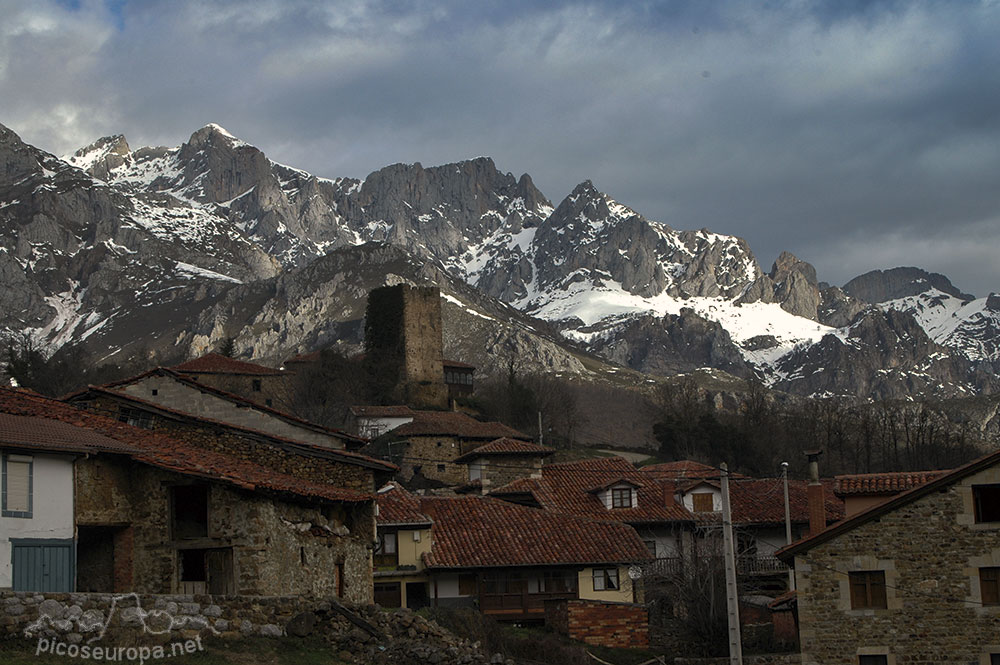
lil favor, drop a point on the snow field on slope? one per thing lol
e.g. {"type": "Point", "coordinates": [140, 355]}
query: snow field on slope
{"type": "Point", "coordinates": [593, 304]}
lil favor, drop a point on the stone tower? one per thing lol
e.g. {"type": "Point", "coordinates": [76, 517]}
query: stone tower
{"type": "Point", "coordinates": [403, 335]}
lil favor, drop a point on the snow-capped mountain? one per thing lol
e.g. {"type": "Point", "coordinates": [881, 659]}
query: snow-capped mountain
{"type": "Point", "coordinates": [176, 246]}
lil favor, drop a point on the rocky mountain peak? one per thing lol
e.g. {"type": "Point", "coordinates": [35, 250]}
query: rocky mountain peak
{"type": "Point", "coordinates": [102, 156]}
{"type": "Point", "coordinates": [212, 134]}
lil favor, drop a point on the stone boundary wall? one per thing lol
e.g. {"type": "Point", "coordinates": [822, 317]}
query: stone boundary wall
{"type": "Point", "coordinates": [74, 616]}
{"type": "Point", "coordinates": [762, 659]}
{"type": "Point", "coordinates": [601, 623]}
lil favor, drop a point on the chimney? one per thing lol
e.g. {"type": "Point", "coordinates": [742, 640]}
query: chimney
{"type": "Point", "coordinates": [817, 502]}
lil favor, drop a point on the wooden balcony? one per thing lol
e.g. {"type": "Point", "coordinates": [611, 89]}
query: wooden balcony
{"type": "Point", "coordinates": [519, 606]}
{"type": "Point", "coordinates": [745, 565]}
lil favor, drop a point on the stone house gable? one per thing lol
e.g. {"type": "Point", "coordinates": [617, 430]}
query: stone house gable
{"type": "Point", "coordinates": [907, 579]}
{"type": "Point", "coordinates": [315, 463]}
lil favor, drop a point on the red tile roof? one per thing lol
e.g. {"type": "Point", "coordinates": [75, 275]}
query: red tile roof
{"type": "Point", "coordinates": [681, 469]}
{"type": "Point", "coordinates": [167, 453]}
{"type": "Point", "coordinates": [480, 532]}
{"type": "Point", "coordinates": [454, 423]}
{"type": "Point", "coordinates": [394, 411]}
{"type": "Point", "coordinates": [396, 506]}
{"type": "Point", "coordinates": [215, 363]}
{"type": "Point", "coordinates": [759, 501]}
{"type": "Point", "coordinates": [879, 484]}
{"type": "Point", "coordinates": [43, 434]}
{"type": "Point", "coordinates": [505, 446]}
{"type": "Point", "coordinates": [564, 488]}
{"type": "Point", "coordinates": [311, 357]}
{"type": "Point", "coordinates": [346, 456]}
{"type": "Point", "coordinates": [762, 501]}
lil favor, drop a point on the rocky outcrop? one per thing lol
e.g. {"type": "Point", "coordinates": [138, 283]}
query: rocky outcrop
{"type": "Point", "coordinates": [883, 355]}
{"type": "Point", "coordinates": [880, 286]}
{"type": "Point", "coordinates": [672, 345]}
{"type": "Point", "coordinates": [795, 286]}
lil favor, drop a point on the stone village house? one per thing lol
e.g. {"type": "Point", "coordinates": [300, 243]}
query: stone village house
{"type": "Point", "coordinates": [433, 444]}
{"type": "Point", "coordinates": [913, 579]}
{"type": "Point", "coordinates": [119, 508]}
{"type": "Point", "coordinates": [505, 559]}
{"type": "Point", "coordinates": [182, 394]}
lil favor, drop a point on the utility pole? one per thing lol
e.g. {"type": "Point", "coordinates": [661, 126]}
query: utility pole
{"type": "Point", "coordinates": [540, 428]}
{"type": "Point", "coordinates": [732, 592]}
{"type": "Point", "coordinates": [788, 523]}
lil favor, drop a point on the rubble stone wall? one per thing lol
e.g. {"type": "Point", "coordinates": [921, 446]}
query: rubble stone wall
{"type": "Point", "coordinates": [277, 546]}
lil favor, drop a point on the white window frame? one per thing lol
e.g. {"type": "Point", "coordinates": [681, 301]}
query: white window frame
{"type": "Point", "coordinates": [606, 579]}
{"type": "Point", "coordinates": [20, 459]}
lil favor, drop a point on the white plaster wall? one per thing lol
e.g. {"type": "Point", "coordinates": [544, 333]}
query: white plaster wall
{"type": "Point", "coordinates": [447, 585]}
{"type": "Point", "coordinates": [52, 508]}
{"type": "Point", "coordinates": [703, 489]}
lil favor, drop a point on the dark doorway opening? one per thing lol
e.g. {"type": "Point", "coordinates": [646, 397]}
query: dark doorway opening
{"type": "Point", "coordinates": [417, 595]}
{"type": "Point", "coordinates": [189, 505]}
{"type": "Point", "coordinates": [206, 571]}
{"type": "Point", "coordinates": [95, 559]}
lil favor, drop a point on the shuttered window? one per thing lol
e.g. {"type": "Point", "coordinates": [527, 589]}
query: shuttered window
{"type": "Point", "coordinates": [989, 584]}
{"type": "Point", "coordinates": [703, 502]}
{"type": "Point", "coordinates": [868, 589]}
{"type": "Point", "coordinates": [17, 486]}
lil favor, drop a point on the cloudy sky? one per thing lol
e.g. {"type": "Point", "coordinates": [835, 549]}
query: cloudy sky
{"type": "Point", "coordinates": [857, 135]}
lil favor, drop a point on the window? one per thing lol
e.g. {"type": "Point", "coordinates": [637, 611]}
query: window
{"type": "Point", "coordinates": [441, 467]}
{"type": "Point", "coordinates": [256, 385]}
{"type": "Point", "coordinates": [560, 581]}
{"type": "Point", "coordinates": [475, 471]}
{"type": "Point", "coordinates": [386, 553]}
{"type": "Point", "coordinates": [621, 497]}
{"type": "Point", "coordinates": [650, 545]}
{"type": "Point", "coordinates": [467, 585]}
{"type": "Point", "coordinates": [868, 589]}
{"type": "Point", "coordinates": [989, 585]}
{"type": "Point", "coordinates": [605, 579]}
{"type": "Point", "coordinates": [134, 417]}
{"type": "Point", "coordinates": [987, 502]}
{"type": "Point", "coordinates": [703, 502]}
{"type": "Point", "coordinates": [873, 660]}
{"type": "Point", "coordinates": [995, 659]}
{"type": "Point", "coordinates": [189, 511]}
{"type": "Point", "coordinates": [17, 486]}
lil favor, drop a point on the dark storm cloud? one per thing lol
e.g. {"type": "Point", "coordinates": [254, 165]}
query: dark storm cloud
{"type": "Point", "coordinates": [857, 135]}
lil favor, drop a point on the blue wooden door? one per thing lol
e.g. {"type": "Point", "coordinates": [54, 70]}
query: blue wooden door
{"type": "Point", "coordinates": [42, 565]}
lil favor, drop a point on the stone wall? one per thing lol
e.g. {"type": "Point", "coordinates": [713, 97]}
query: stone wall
{"type": "Point", "coordinates": [498, 471]}
{"type": "Point", "coordinates": [256, 449]}
{"type": "Point", "coordinates": [930, 550]}
{"type": "Point", "coordinates": [423, 347]}
{"type": "Point", "coordinates": [275, 389]}
{"type": "Point", "coordinates": [173, 394]}
{"type": "Point", "coordinates": [431, 453]}
{"type": "Point", "coordinates": [762, 659]}
{"type": "Point", "coordinates": [355, 634]}
{"type": "Point", "coordinates": [619, 625]}
{"type": "Point", "coordinates": [277, 546]}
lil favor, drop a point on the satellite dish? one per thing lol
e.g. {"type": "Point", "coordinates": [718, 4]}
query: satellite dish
{"type": "Point", "coordinates": [634, 572]}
